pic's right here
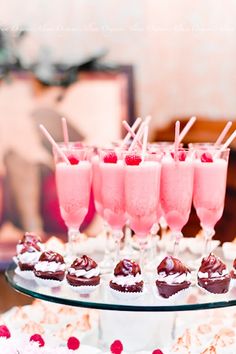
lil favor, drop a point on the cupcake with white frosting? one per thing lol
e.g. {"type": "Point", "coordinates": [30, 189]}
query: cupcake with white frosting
{"type": "Point", "coordinates": [83, 275]}
{"type": "Point", "coordinates": [213, 275]}
{"type": "Point", "coordinates": [28, 251]}
{"type": "Point", "coordinates": [50, 269]}
{"type": "Point", "coordinates": [172, 277]}
{"type": "Point", "coordinates": [127, 278]}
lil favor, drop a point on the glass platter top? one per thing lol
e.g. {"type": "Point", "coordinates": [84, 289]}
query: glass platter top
{"type": "Point", "coordinates": [102, 298]}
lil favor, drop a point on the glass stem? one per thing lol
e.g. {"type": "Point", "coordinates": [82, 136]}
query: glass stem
{"type": "Point", "coordinates": [117, 236]}
{"type": "Point", "coordinates": [142, 246]}
{"type": "Point", "coordinates": [73, 235]}
{"type": "Point", "coordinates": [208, 235]}
{"type": "Point", "coordinates": [177, 236]}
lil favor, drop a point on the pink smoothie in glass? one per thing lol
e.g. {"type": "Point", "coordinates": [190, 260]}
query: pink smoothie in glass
{"type": "Point", "coordinates": [97, 185]}
{"type": "Point", "coordinates": [73, 187]}
{"type": "Point", "coordinates": [112, 192]}
{"type": "Point", "coordinates": [209, 190]}
{"type": "Point", "coordinates": [142, 187]}
{"type": "Point", "coordinates": [176, 191]}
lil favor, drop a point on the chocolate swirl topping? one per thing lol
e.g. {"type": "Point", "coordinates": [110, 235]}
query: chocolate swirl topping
{"type": "Point", "coordinates": [50, 256]}
{"type": "Point", "coordinates": [170, 265]}
{"type": "Point", "coordinates": [31, 243]}
{"type": "Point", "coordinates": [212, 264]}
{"type": "Point", "coordinates": [84, 263]}
{"type": "Point", "coordinates": [28, 237]}
{"type": "Point", "coordinates": [127, 267]}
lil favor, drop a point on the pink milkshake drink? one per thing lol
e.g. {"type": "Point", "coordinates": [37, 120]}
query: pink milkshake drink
{"type": "Point", "coordinates": [142, 189]}
{"type": "Point", "coordinates": [210, 175]}
{"type": "Point", "coordinates": [73, 183]}
{"type": "Point", "coordinates": [177, 190]}
{"type": "Point", "coordinates": [112, 189]}
{"type": "Point", "coordinates": [97, 185]}
{"type": "Point", "coordinates": [112, 193]}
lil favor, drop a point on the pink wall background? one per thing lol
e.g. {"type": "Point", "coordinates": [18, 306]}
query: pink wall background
{"type": "Point", "coordinates": [184, 52]}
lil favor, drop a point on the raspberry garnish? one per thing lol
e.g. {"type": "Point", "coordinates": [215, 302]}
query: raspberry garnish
{"type": "Point", "coordinates": [73, 343]}
{"type": "Point", "coordinates": [181, 155]}
{"type": "Point", "coordinates": [157, 351]}
{"type": "Point", "coordinates": [37, 338]}
{"type": "Point", "coordinates": [73, 160]}
{"type": "Point", "coordinates": [206, 157]}
{"type": "Point", "coordinates": [4, 332]}
{"type": "Point", "coordinates": [116, 347]}
{"type": "Point", "coordinates": [133, 160]}
{"type": "Point", "coordinates": [110, 157]}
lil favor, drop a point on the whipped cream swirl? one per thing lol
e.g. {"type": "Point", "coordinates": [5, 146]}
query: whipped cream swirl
{"type": "Point", "coordinates": [94, 272]}
{"type": "Point", "coordinates": [176, 278]}
{"type": "Point", "coordinates": [127, 280]}
{"type": "Point", "coordinates": [49, 266]}
{"type": "Point", "coordinates": [29, 257]}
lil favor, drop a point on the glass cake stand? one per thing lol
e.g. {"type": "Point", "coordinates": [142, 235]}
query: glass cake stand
{"type": "Point", "coordinates": [148, 321]}
{"type": "Point", "coordinates": [102, 298]}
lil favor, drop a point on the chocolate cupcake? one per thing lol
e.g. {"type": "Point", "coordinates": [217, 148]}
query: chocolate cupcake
{"type": "Point", "coordinates": [213, 275]}
{"type": "Point", "coordinates": [172, 277]}
{"type": "Point", "coordinates": [127, 278]}
{"type": "Point", "coordinates": [50, 269]}
{"type": "Point", "coordinates": [83, 275]}
{"type": "Point", "coordinates": [29, 249]}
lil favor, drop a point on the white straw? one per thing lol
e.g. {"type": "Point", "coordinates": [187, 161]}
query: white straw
{"type": "Point", "coordinates": [65, 131]}
{"type": "Point", "coordinates": [177, 129]}
{"type": "Point", "coordinates": [137, 136]}
{"type": "Point", "coordinates": [147, 119]}
{"type": "Point", "coordinates": [223, 133]}
{"type": "Point", "coordinates": [54, 144]}
{"type": "Point", "coordinates": [187, 128]}
{"type": "Point", "coordinates": [227, 143]}
{"type": "Point", "coordinates": [130, 132]}
{"type": "Point", "coordinates": [145, 140]}
{"type": "Point", "coordinates": [133, 128]}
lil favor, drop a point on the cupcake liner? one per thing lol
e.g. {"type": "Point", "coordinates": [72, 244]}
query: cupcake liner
{"type": "Point", "coordinates": [50, 283]}
{"type": "Point", "coordinates": [232, 283]}
{"type": "Point", "coordinates": [206, 292]}
{"type": "Point", "coordinates": [125, 295]}
{"type": "Point", "coordinates": [171, 300]}
{"type": "Point", "coordinates": [84, 289]}
{"type": "Point", "coordinates": [26, 274]}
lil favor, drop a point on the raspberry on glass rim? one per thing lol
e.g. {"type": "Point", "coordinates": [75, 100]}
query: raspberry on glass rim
{"type": "Point", "coordinates": [206, 157]}
{"type": "Point", "coordinates": [133, 160]}
{"type": "Point", "coordinates": [73, 159]}
{"type": "Point", "coordinates": [181, 154]}
{"type": "Point", "coordinates": [110, 157]}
